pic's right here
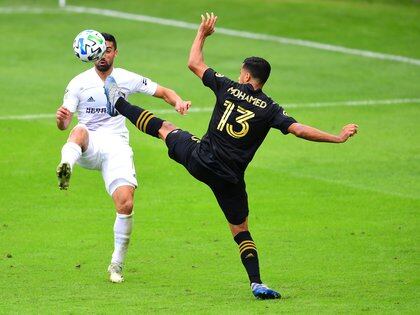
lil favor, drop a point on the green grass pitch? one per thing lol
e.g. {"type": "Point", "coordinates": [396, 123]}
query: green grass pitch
{"type": "Point", "coordinates": [336, 226]}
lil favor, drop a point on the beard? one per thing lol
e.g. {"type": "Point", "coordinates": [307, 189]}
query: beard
{"type": "Point", "coordinates": [102, 65]}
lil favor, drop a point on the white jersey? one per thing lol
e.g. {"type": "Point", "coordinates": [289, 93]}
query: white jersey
{"type": "Point", "coordinates": [85, 94]}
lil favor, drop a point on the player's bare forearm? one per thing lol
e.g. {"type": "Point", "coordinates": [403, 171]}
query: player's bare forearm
{"type": "Point", "coordinates": [172, 98]}
{"type": "Point", "coordinates": [63, 118]}
{"type": "Point", "coordinates": [196, 59]}
{"type": "Point", "coordinates": [313, 134]}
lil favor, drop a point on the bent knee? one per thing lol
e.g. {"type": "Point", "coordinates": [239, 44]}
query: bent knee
{"type": "Point", "coordinates": [79, 131]}
{"type": "Point", "coordinates": [125, 207]}
{"type": "Point", "coordinates": [80, 136]}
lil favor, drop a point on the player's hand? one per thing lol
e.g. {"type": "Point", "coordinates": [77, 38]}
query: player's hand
{"type": "Point", "coordinates": [62, 114]}
{"type": "Point", "coordinates": [208, 22]}
{"type": "Point", "coordinates": [182, 107]}
{"type": "Point", "coordinates": [347, 132]}
{"type": "Point", "coordinates": [63, 117]}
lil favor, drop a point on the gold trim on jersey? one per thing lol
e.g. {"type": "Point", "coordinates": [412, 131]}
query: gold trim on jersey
{"type": "Point", "coordinates": [141, 117]}
{"type": "Point", "coordinates": [143, 120]}
{"type": "Point", "coordinates": [146, 122]}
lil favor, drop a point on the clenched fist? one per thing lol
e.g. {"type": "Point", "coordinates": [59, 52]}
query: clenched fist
{"type": "Point", "coordinates": [347, 132]}
{"type": "Point", "coordinates": [63, 117]}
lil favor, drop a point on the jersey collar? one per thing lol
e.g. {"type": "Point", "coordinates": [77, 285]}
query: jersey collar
{"type": "Point", "coordinates": [251, 89]}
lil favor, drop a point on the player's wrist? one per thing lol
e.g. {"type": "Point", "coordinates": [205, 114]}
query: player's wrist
{"type": "Point", "coordinates": [61, 126]}
{"type": "Point", "coordinates": [340, 139]}
{"type": "Point", "coordinates": [201, 35]}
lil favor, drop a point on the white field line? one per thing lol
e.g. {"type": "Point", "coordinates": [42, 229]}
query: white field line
{"type": "Point", "coordinates": [27, 10]}
{"type": "Point", "coordinates": [244, 34]}
{"type": "Point", "coordinates": [286, 106]}
{"type": "Point", "coordinates": [225, 31]}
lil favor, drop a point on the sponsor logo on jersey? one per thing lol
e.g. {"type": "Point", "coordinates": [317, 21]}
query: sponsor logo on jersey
{"type": "Point", "coordinates": [91, 99]}
{"type": "Point", "coordinates": [95, 110]}
{"type": "Point", "coordinates": [219, 75]}
{"type": "Point", "coordinates": [144, 81]}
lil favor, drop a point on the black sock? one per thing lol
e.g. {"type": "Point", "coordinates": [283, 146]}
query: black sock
{"type": "Point", "coordinates": [249, 255]}
{"type": "Point", "coordinates": [139, 117]}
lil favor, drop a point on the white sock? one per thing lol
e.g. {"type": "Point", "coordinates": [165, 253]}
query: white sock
{"type": "Point", "coordinates": [70, 153]}
{"type": "Point", "coordinates": [122, 231]}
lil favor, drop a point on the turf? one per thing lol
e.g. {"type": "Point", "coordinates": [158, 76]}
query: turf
{"type": "Point", "coordinates": [336, 225]}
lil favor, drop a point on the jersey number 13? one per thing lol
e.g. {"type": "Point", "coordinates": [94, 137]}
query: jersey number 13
{"type": "Point", "coordinates": [241, 120]}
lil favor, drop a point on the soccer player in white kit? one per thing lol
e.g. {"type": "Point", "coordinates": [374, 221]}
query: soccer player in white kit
{"type": "Point", "coordinates": [101, 142]}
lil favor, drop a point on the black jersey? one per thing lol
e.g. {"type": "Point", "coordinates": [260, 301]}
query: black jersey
{"type": "Point", "coordinates": [239, 124]}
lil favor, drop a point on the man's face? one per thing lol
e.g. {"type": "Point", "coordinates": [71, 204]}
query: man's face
{"type": "Point", "coordinates": [107, 60]}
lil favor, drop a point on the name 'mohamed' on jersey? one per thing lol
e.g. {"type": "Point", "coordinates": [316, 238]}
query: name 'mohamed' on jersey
{"type": "Point", "coordinates": [85, 95]}
{"type": "Point", "coordinates": [241, 120]}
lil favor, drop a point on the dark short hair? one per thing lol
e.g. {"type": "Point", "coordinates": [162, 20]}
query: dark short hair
{"type": "Point", "coordinates": [258, 67]}
{"type": "Point", "coordinates": [110, 38]}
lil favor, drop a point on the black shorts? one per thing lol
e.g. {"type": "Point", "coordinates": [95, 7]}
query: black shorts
{"type": "Point", "coordinates": [232, 198]}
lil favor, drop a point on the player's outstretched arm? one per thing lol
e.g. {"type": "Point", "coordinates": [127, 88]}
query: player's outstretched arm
{"type": "Point", "coordinates": [63, 118]}
{"type": "Point", "coordinates": [196, 60]}
{"type": "Point", "coordinates": [170, 97]}
{"type": "Point", "coordinates": [313, 134]}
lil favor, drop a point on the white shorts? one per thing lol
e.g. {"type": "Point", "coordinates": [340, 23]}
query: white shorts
{"type": "Point", "coordinates": [112, 155]}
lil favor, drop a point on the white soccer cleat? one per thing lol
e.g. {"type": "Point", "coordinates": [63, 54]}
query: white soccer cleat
{"type": "Point", "coordinates": [112, 93]}
{"type": "Point", "coordinates": [115, 273]}
{"type": "Point", "coordinates": [262, 292]}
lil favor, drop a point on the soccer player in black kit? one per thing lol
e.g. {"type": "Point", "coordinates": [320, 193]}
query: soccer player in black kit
{"type": "Point", "coordinates": [241, 119]}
